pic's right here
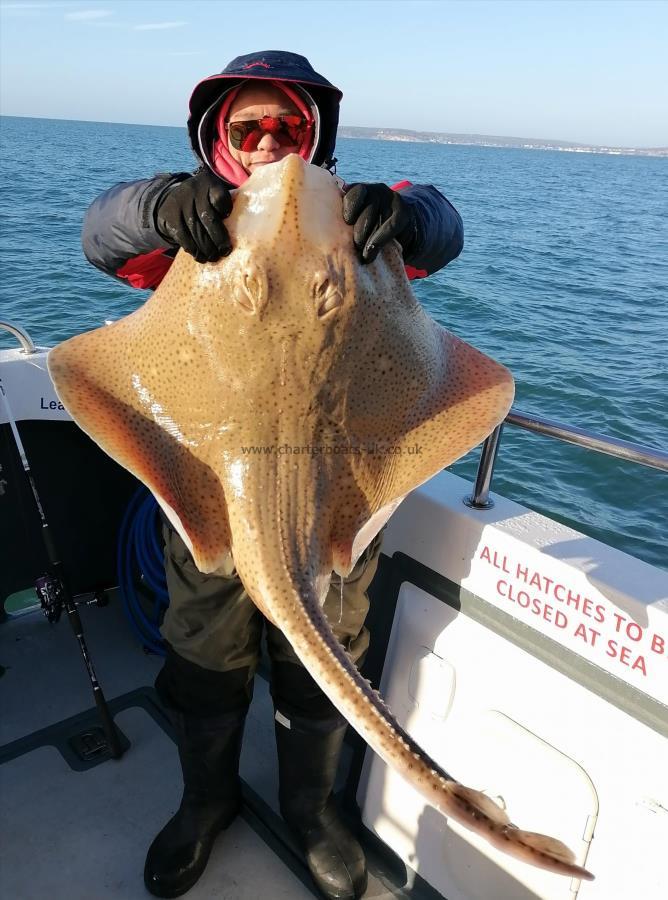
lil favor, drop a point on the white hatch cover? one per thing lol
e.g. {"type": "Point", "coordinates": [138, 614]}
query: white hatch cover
{"type": "Point", "coordinates": [459, 700]}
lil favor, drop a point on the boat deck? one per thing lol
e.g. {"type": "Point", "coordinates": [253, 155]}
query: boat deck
{"type": "Point", "coordinates": [71, 829]}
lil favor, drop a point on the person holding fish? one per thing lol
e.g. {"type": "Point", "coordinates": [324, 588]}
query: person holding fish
{"type": "Point", "coordinates": [261, 108]}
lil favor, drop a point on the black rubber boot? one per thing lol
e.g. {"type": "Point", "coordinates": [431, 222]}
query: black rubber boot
{"type": "Point", "coordinates": [209, 749]}
{"type": "Point", "coordinates": [308, 757]}
{"type": "Point", "coordinates": [209, 752]}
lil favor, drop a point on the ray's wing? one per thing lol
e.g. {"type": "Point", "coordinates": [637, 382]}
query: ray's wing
{"type": "Point", "coordinates": [465, 396]}
{"type": "Point", "coordinates": [127, 390]}
{"type": "Point", "coordinates": [440, 398]}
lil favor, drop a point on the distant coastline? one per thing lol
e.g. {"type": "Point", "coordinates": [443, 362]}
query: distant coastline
{"type": "Point", "coordinates": [429, 137]}
{"type": "Point", "coordinates": [488, 140]}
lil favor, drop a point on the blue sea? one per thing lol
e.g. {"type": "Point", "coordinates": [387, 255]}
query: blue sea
{"type": "Point", "coordinates": [564, 278]}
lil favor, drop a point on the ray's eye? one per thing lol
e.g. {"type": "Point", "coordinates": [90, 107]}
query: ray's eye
{"type": "Point", "coordinates": [326, 294]}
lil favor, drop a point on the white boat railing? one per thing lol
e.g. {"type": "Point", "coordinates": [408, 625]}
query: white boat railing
{"type": "Point", "coordinates": [21, 335]}
{"type": "Point", "coordinates": [581, 437]}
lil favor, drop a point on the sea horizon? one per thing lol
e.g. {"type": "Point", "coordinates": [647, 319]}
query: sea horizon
{"type": "Point", "coordinates": [395, 134]}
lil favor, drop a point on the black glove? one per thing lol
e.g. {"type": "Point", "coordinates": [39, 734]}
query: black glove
{"type": "Point", "coordinates": [378, 215]}
{"type": "Point", "coordinates": [190, 216]}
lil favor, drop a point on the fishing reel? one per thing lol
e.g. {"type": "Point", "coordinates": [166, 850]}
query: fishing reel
{"type": "Point", "coordinates": [51, 595]}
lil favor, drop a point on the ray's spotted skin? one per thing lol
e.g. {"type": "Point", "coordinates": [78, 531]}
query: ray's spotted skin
{"type": "Point", "coordinates": [280, 404]}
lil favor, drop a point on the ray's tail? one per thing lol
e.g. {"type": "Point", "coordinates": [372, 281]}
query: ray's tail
{"type": "Point", "coordinates": [306, 627]}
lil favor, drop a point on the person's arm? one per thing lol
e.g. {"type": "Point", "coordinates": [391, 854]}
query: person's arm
{"type": "Point", "coordinates": [134, 230]}
{"type": "Point", "coordinates": [119, 234]}
{"type": "Point", "coordinates": [426, 225]}
{"type": "Point", "coordinates": [439, 231]}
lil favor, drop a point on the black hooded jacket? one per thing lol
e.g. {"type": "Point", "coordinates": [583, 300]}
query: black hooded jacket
{"type": "Point", "coordinates": [119, 233]}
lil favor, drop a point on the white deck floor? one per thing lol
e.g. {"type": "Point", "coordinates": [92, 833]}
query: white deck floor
{"type": "Point", "coordinates": [70, 834]}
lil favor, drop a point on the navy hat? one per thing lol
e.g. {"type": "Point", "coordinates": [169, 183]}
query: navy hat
{"type": "Point", "coordinates": [270, 65]}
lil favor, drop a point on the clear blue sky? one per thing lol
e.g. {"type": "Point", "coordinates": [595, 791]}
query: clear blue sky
{"type": "Point", "coordinates": [593, 72]}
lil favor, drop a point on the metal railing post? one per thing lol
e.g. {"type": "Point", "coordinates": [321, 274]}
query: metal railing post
{"type": "Point", "coordinates": [21, 335]}
{"type": "Point", "coordinates": [580, 437]}
{"type": "Point", "coordinates": [480, 498]}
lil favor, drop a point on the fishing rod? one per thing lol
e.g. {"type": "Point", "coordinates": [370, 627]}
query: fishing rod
{"type": "Point", "coordinates": [54, 593]}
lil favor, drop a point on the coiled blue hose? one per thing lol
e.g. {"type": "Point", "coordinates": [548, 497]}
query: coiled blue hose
{"type": "Point", "coordinates": [140, 558]}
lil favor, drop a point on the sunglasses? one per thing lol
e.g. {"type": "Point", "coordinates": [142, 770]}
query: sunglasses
{"type": "Point", "coordinates": [288, 131]}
